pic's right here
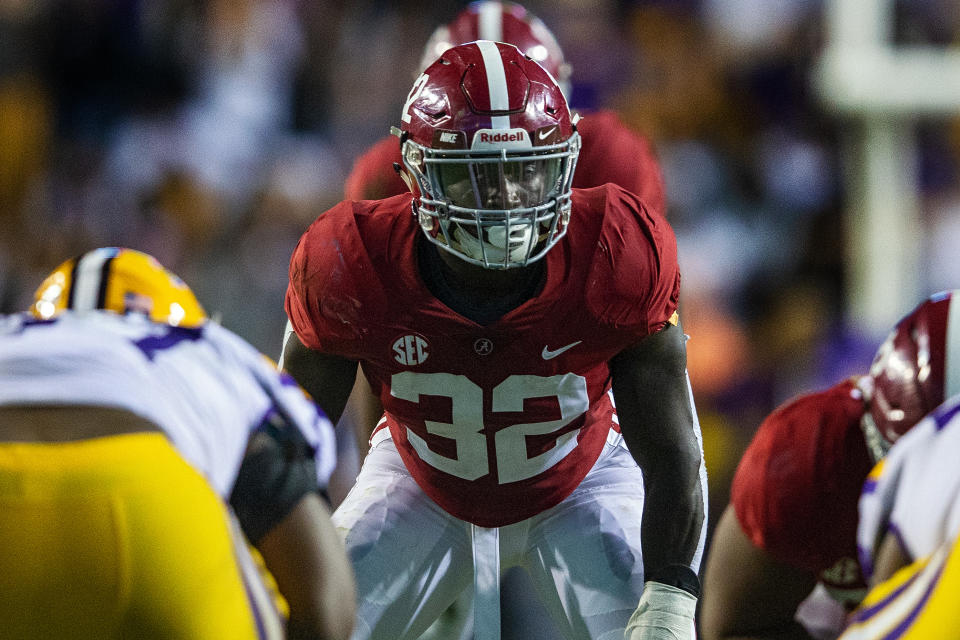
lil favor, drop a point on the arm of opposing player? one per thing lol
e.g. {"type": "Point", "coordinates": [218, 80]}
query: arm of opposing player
{"type": "Point", "coordinates": [657, 419]}
{"type": "Point", "coordinates": [306, 558]}
{"type": "Point", "coordinates": [276, 500]}
{"type": "Point", "coordinates": [747, 594]}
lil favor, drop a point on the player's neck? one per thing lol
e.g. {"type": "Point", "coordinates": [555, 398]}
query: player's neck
{"type": "Point", "coordinates": [483, 295]}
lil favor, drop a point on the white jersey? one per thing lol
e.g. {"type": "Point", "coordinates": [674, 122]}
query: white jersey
{"type": "Point", "coordinates": [206, 389]}
{"type": "Point", "coordinates": [915, 491]}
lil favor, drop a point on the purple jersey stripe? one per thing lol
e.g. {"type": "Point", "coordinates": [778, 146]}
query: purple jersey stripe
{"type": "Point", "coordinates": [863, 614]}
{"type": "Point", "coordinates": [866, 561]}
{"type": "Point", "coordinates": [257, 617]}
{"type": "Point", "coordinates": [901, 628]}
{"type": "Point", "coordinates": [943, 417]}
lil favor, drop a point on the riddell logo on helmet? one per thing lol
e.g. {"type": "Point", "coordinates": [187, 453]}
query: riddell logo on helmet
{"type": "Point", "coordinates": [510, 136]}
{"type": "Point", "coordinates": [500, 138]}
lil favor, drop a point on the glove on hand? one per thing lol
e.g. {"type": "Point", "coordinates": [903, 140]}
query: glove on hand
{"type": "Point", "coordinates": [664, 613]}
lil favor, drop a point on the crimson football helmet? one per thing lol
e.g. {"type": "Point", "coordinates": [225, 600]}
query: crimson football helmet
{"type": "Point", "coordinates": [911, 372]}
{"type": "Point", "coordinates": [501, 22]}
{"type": "Point", "coordinates": [490, 148]}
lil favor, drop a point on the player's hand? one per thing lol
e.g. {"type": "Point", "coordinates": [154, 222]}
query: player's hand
{"type": "Point", "coordinates": [664, 613]}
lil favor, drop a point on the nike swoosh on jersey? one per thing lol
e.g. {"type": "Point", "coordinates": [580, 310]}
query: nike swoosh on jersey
{"type": "Point", "coordinates": [547, 354]}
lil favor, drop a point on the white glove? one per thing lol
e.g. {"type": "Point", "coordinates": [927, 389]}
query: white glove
{"type": "Point", "coordinates": [664, 613]}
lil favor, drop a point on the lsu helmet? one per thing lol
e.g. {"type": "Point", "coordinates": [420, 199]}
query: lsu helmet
{"type": "Point", "coordinates": [915, 369]}
{"type": "Point", "coordinates": [120, 280]}
{"type": "Point", "coordinates": [490, 148]}
{"type": "Point", "coordinates": [501, 22]}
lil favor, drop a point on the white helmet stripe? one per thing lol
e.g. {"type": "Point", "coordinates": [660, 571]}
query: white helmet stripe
{"type": "Point", "coordinates": [490, 21]}
{"type": "Point", "coordinates": [951, 367]}
{"type": "Point", "coordinates": [88, 278]}
{"type": "Point", "coordinates": [496, 83]}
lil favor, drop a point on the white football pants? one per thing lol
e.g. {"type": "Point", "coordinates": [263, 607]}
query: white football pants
{"type": "Point", "coordinates": [412, 559]}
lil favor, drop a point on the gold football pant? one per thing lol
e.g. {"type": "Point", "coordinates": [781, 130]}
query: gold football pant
{"type": "Point", "coordinates": [919, 602]}
{"type": "Point", "coordinates": [119, 537]}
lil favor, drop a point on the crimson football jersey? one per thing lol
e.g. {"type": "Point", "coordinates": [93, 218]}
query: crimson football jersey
{"type": "Point", "coordinates": [796, 488]}
{"type": "Point", "coordinates": [611, 152]}
{"type": "Point", "coordinates": [495, 422]}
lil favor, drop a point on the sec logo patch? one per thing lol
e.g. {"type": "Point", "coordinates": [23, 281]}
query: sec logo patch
{"type": "Point", "coordinates": [411, 350]}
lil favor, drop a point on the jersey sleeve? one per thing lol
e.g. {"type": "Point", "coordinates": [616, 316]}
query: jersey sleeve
{"type": "Point", "coordinates": [914, 490]}
{"type": "Point", "coordinates": [613, 152]}
{"type": "Point", "coordinates": [796, 488]}
{"type": "Point", "coordinates": [373, 176]}
{"type": "Point", "coordinates": [634, 282]}
{"type": "Point", "coordinates": [284, 401]}
{"type": "Point", "coordinates": [331, 283]}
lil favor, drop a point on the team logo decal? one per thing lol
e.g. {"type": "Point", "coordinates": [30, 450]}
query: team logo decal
{"type": "Point", "coordinates": [411, 349]}
{"type": "Point", "coordinates": [483, 346]}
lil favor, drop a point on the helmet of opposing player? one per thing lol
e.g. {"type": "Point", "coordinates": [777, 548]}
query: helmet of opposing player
{"type": "Point", "coordinates": [501, 22]}
{"type": "Point", "coordinates": [914, 371]}
{"type": "Point", "coordinates": [120, 280]}
{"type": "Point", "coordinates": [490, 148]}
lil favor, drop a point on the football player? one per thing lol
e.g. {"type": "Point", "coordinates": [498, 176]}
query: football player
{"type": "Point", "coordinates": [498, 312]}
{"type": "Point", "coordinates": [783, 561]}
{"type": "Point", "coordinates": [129, 425]}
{"type": "Point", "coordinates": [610, 151]}
{"type": "Point", "coordinates": [908, 533]}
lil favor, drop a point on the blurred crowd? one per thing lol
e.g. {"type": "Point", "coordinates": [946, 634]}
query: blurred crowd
{"type": "Point", "coordinates": [211, 133]}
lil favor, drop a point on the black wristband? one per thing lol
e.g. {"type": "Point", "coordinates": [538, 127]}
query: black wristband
{"type": "Point", "coordinates": [677, 575]}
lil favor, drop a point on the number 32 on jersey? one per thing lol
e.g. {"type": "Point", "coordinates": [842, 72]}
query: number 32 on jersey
{"type": "Point", "coordinates": [510, 445]}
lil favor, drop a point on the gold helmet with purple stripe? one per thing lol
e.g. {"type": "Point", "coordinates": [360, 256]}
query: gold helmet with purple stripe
{"type": "Point", "coordinates": [120, 280]}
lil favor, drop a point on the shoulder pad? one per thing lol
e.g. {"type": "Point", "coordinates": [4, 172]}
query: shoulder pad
{"type": "Point", "coordinates": [332, 280]}
{"type": "Point", "coordinates": [634, 279]}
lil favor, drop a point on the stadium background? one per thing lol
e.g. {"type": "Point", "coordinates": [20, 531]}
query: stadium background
{"type": "Point", "coordinates": [209, 134]}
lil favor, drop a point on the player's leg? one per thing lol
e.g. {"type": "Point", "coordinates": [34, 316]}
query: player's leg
{"type": "Point", "coordinates": [411, 559]}
{"type": "Point", "coordinates": [522, 612]}
{"type": "Point", "coordinates": [190, 572]}
{"type": "Point", "coordinates": [60, 569]}
{"type": "Point", "coordinates": [584, 555]}
{"type": "Point", "coordinates": [117, 537]}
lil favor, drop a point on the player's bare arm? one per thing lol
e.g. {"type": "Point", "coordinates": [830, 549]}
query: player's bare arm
{"type": "Point", "coordinates": [327, 378]}
{"type": "Point", "coordinates": [890, 558]}
{"type": "Point", "coordinates": [656, 419]}
{"type": "Point", "coordinates": [653, 400]}
{"type": "Point", "coordinates": [280, 511]}
{"type": "Point", "coordinates": [771, 590]}
{"type": "Point", "coordinates": [305, 557]}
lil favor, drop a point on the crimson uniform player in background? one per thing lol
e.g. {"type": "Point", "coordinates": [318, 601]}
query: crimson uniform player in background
{"type": "Point", "coordinates": [792, 520]}
{"type": "Point", "coordinates": [610, 151]}
{"type": "Point", "coordinates": [497, 313]}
